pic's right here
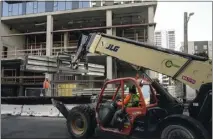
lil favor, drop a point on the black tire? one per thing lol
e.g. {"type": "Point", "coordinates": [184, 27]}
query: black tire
{"type": "Point", "coordinates": [81, 122]}
{"type": "Point", "coordinates": [176, 131]}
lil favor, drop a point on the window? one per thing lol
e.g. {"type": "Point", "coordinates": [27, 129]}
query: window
{"type": "Point", "coordinates": [20, 11]}
{"type": "Point", "coordinates": [10, 9]}
{"type": "Point", "coordinates": [85, 4]}
{"type": "Point", "coordinates": [61, 5]}
{"type": "Point", "coordinates": [55, 6]}
{"type": "Point", "coordinates": [41, 6]}
{"type": "Point", "coordinates": [205, 47]}
{"type": "Point", "coordinates": [35, 7]}
{"type": "Point", "coordinates": [115, 86]}
{"type": "Point", "coordinates": [29, 8]}
{"type": "Point", "coordinates": [15, 9]}
{"type": "Point", "coordinates": [147, 94]}
{"type": "Point", "coordinates": [75, 4]}
{"type": "Point", "coordinates": [4, 52]}
{"type": "Point", "coordinates": [68, 5]}
{"type": "Point", "coordinates": [195, 47]}
{"type": "Point", "coordinates": [5, 9]}
{"type": "Point", "coordinates": [81, 4]}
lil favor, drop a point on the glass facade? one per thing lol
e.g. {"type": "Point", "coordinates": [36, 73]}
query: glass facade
{"type": "Point", "coordinates": [33, 7]}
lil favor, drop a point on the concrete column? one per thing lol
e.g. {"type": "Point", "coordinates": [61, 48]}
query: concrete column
{"type": "Point", "coordinates": [66, 40]}
{"type": "Point", "coordinates": [151, 30]}
{"type": "Point", "coordinates": [1, 43]}
{"type": "Point", "coordinates": [49, 45]}
{"type": "Point", "coordinates": [114, 31]}
{"type": "Point", "coordinates": [109, 31]}
{"type": "Point", "coordinates": [115, 75]}
{"type": "Point", "coordinates": [21, 87]}
{"type": "Point", "coordinates": [49, 35]}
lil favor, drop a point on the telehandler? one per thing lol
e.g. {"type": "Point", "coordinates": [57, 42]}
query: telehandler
{"type": "Point", "coordinates": [156, 114]}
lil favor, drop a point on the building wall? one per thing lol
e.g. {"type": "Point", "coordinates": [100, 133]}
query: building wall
{"type": "Point", "coordinates": [171, 39]}
{"type": "Point", "coordinates": [18, 42]}
{"type": "Point", "coordinates": [32, 7]}
{"type": "Point", "coordinates": [191, 47]}
{"type": "Point", "coordinates": [199, 46]}
{"type": "Point", "coordinates": [196, 47]}
{"type": "Point", "coordinates": [165, 39]}
{"type": "Point", "coordinates": [12, 43]}
{"type": "Point", "coordinates": [210, 49]}
{"type": "Point", "coordinates": [158, 38]}
{"type": "Point", "coordinates": [0, 28]}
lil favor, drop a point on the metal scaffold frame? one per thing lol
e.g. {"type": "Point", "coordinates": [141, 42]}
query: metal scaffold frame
{"type": "Point", "coordinates": [41, 51]}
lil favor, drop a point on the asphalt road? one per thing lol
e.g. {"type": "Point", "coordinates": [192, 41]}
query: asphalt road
{"type": "Point", "coordinates": [15, 127]}
{"type": "Point", "coordinates": [19, 127]}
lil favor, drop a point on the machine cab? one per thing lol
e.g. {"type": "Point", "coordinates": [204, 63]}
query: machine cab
{"type": "Point", "coordinates": [114, 96]}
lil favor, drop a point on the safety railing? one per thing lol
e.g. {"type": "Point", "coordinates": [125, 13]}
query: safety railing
{"type": "Point", "coordinates": [9, 80]}
{"type": "Point", "coordinates": [75, 87]}
{"type": "Point", "coordinates": [34, 92]}
{"type": "Point", "coordinates": [22, 80]}
{"type": "Point", "coordinates": [67, 91]}
{"type": "Point", "coordinates": [18, 53]}
{"type": "Point", "coordinates": [68, 88]}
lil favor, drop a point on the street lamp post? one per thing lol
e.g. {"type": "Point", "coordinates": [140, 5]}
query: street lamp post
{"type": "Point", "coordinates": [186, 20]}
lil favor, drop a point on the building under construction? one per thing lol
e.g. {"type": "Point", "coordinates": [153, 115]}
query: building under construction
{"type": "Point", "coordinates": [46, 28]}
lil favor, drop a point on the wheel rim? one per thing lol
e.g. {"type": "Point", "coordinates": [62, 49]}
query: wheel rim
{"type": "Point", "coordinates": [177, 133]}
{"type": "Point", "coordinates": [180, 134]}
{"type": "Point", "coordinates": [78, 124]}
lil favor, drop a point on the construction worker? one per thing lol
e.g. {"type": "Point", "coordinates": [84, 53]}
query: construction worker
{"type": "Point", "coordinates": [46, 86]}
{"type": "Point", "coordinates": [131, 100]}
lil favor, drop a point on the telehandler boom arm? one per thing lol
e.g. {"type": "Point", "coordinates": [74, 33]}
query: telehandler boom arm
{"type": "Point", "coordinates": [188, 69]}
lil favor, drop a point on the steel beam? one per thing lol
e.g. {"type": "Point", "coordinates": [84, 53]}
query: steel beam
{"type": "Point", "coordinates": [23, 34]}
{"type": "Point", "coordinates": [81, 29]}
{"type": "Point", "coordinates": [105, 27]}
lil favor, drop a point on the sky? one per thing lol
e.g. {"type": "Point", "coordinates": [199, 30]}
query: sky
{"type": "Point", "coordinates": [170, 15]}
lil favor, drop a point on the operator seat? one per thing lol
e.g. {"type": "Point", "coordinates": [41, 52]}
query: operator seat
{"type": "Point", "coordinates": [106, 112]}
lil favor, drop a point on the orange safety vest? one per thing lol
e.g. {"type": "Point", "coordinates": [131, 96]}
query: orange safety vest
{"type": "Point", "coordinates": [126, 100]}
{"type": "Point", "coordinates": [46, 84]}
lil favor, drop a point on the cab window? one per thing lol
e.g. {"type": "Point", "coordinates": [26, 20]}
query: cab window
{"type": "Point", "coordinates": [147, 94]}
